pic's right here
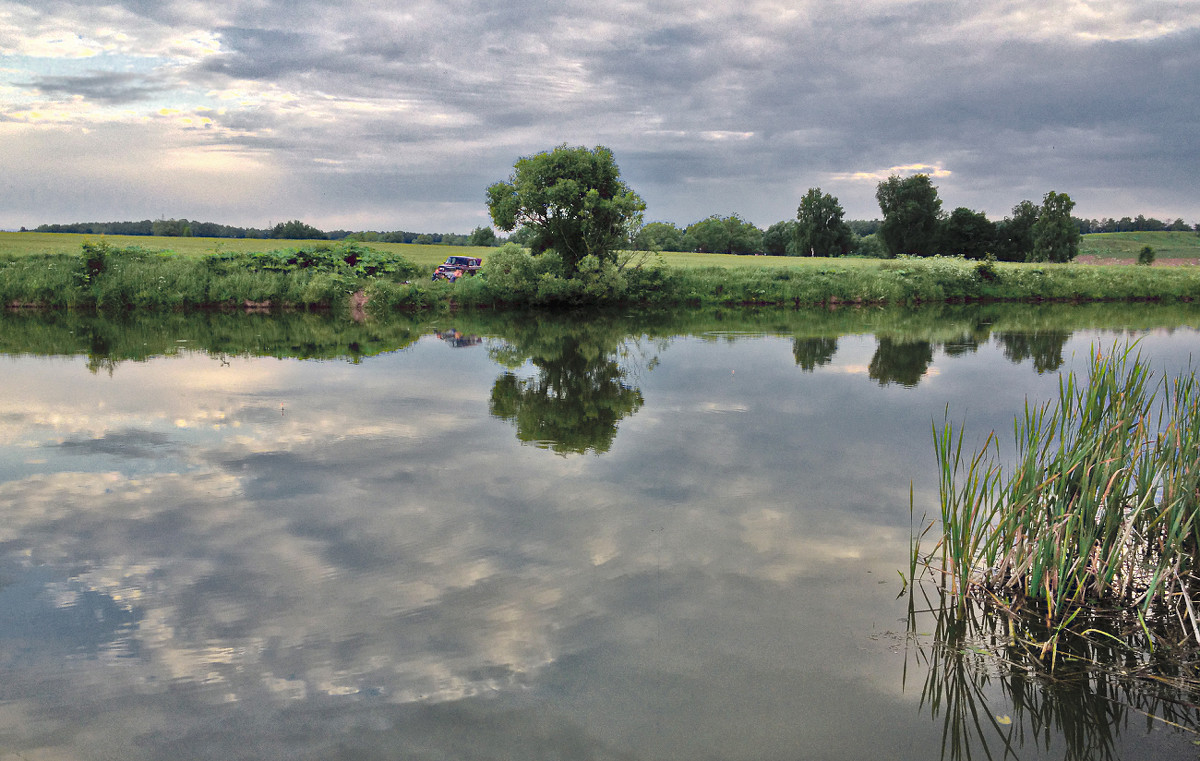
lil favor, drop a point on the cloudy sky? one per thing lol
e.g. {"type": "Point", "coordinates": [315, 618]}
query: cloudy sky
{"type": "Point", "coordinates": [367, 115]}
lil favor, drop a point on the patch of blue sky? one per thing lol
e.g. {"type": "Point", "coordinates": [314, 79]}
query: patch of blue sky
{"type": "Point", "coordinates": [58, 66]}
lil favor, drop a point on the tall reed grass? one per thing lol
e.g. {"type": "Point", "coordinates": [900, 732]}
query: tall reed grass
{"type": "Point", "coordinates": [1099, 511]}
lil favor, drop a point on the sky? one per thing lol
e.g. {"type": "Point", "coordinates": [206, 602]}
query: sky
{"type": "Point", "coordinates": [388, 116]}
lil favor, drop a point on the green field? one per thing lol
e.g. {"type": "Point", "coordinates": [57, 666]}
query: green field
{"type": "Point", "coordinates": [1116, 246]}
{"type": "Point", "coordinates": [691, 260]}
{"type": "Point", "coordinates": [1166, 245]}
{"type": "Point", "coordinates": [16, 244]}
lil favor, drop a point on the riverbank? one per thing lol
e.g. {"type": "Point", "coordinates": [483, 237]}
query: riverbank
{"type": "Point", "coordinates": [348, 276]}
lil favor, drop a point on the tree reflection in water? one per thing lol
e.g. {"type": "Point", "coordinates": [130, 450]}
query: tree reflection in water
{"type": "Point", "coordinates": [902, 362]}
{"type": "Point", "coordinates": [1044, 347]}
{"type": "Point", "coordinates": [997, 697]}
{"type": "Point", "coordinates": [813, 352]}
{"type": "Point", "coordinates": [580, 392]}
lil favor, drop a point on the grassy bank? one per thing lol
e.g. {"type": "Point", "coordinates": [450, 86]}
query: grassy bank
{"type": "Point", "coordinates": [108, 279]}
{"type": "Point", "coordinates": [102, 276]}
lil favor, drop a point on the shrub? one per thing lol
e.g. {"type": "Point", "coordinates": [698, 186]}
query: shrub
{"type": "Point", "coordinates": [1146, 256]}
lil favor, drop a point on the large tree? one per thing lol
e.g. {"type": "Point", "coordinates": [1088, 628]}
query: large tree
{"type": "Point", "coordinates": [780, 238]}
{"type": "Point", "coordinates": [1014, 235]}
{"type": "Point", "coordinates": [296, 230]}
{"type": "Point", "coordinates": [820, 229]}
{"type": "Point", "coordinates": [1055, 234]}
{"type": "Point", "coordinates": [911, 211]}
{"type": "Point", "coordinates": [659, 236]}
{"type": "Point", "coordinates": [572, 199]}
{"type": "Point", "coordinates": [969, 233]}
{"type": "Point", "coordinates": [723, 235]}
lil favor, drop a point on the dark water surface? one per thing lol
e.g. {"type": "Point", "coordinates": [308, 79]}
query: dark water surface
{"type": "Point", "coordinates": [517, 537]}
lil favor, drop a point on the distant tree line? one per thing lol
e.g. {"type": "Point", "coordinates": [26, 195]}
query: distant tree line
{"type": "Point", "coordinates": [1137, 224]}
{"type": "Point", "coordinates": [292, 230]}
{"type": "Point", "coordinates": [913, 223]}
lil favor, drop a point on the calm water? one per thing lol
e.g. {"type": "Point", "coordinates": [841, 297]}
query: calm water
{"type": "Point", "coordinates": [530, 538]}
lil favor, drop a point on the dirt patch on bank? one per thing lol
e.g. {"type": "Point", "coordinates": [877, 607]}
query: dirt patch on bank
{"type": "Point", "coordinates": [1159, 262]}
{"type": "Point", "coordinates": [358, 306]}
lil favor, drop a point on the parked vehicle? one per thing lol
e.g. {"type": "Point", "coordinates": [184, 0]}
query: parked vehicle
{"type": "Point", "coordinates": [457, 265]}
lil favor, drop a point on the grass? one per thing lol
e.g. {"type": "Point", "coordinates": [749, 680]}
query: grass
{"type": "Point", "coordinates": [1098, 514]}
{"type": "Point", "coordinates": [27, 243]}
{"type": "Point", "coordinates": [35, 267]}
{"type": "Point", "coordinates": [692, 261]}
{"type": "Point", "coordinates": [107, 279]}
{"type": "Point", "coordinates": [1125, 246]}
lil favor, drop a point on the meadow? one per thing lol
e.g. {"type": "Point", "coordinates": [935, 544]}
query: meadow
{"type": "Point", "coordinates": [1114, 246]}
{"type": "Point", "coordinates": [1125, 246]}
{"type": "Point", "coordinates": [53, 270]}
{"type": "Point", "coordinates": [20, 244]}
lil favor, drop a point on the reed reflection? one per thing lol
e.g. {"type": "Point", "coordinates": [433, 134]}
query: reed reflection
{"type": "Point", "coordinates": [998, 695]}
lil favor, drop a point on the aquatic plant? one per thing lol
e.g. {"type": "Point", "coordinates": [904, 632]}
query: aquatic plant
{"type": "Point", "coordinates": [1098, 513]}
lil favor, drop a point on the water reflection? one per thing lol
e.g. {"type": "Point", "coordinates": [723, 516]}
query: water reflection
{"type": "Point", "coordinates": [899, 361]}
{"type": "Point", "coordinates": [580, 391]}
{"type": "Point", "coordinates": [1044, 347]}
{"type": "Point", "coordinates": [996, 696]}
{"type": "Point", "coordinates": [216, 553]}
{"type": "Point", "coordinates": [813, 352]}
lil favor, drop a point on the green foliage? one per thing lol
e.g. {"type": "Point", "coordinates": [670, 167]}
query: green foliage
{"type": "Point", "coordinates": [482, 236]}
{"type": "Point", "coordinates": [1014, 235]}
{"type": "Point", "coordinates": [780, 238]}
{"type": "Point", "coordinates": [986, 269]}
{"type": "Point", "coordinates": [574, 202]}
{"type": "Point", "coordinates": [106, 278]}
{"type": "Point", "coordinates": [94, 261]}
{"type": "Point", "coordinates": [723, 235]}
{"type": "Point", "coordinates": [1146, 256]}
{"type": "Point", "coordinates": [296, 230]}
{"type": "Point", "coordinates": [659, 236]}
{"type": "Point", "coordinates": [820, 230]}
{"type": "Point", "coordinates": [171, 228]}
{"type": "Point", "coordinates": [911, 210]}
{"type": "Point", "coordinates": [870, 246]}
{"type": "Point", "coordinates": [349, 259]}
{"type": "Point", "coordinates": [967, 233]}
{"type": "Point", "coordinates": [1055, 234]}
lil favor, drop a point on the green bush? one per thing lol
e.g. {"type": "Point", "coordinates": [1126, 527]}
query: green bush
{"type": "Point", "coordinates": [1146, 256]}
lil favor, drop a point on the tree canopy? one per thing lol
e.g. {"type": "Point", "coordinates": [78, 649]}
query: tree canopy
{"type": "Point", "coordinates": [723, 235]}
{"type": "Point", "coordinates": [968, 233]}
{"type": "Point", "coordinates": [911, 211]}
{"type": "Point", "coordinates": [659, 236]}
{"type": "Point", "coordinates": [573, 201]}
{"type": "Point", "coordinates": [1055, 234]}
{"type": "Point", "coordinates": [780, 238]}
{"type": "Point", "coordinates": [820, 230]}
{"type": "Point", "coordinates": [1014, 235]}
{"type": "Point", "coordinates": [296, 230]}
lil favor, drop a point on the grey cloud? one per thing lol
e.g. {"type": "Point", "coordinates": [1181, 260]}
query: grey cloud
{"type": "Point", "coordinates": [111, 88]}
{"type": "Point", "coordinates": [269, 54]}
{"type": "Point", "coordinates": [845, 89]}
{"type": "Point", "coordinates": [132, 444]}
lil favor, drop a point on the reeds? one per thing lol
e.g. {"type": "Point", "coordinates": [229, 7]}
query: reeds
{"type": "Point", "coordinates": [1099, 510]}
